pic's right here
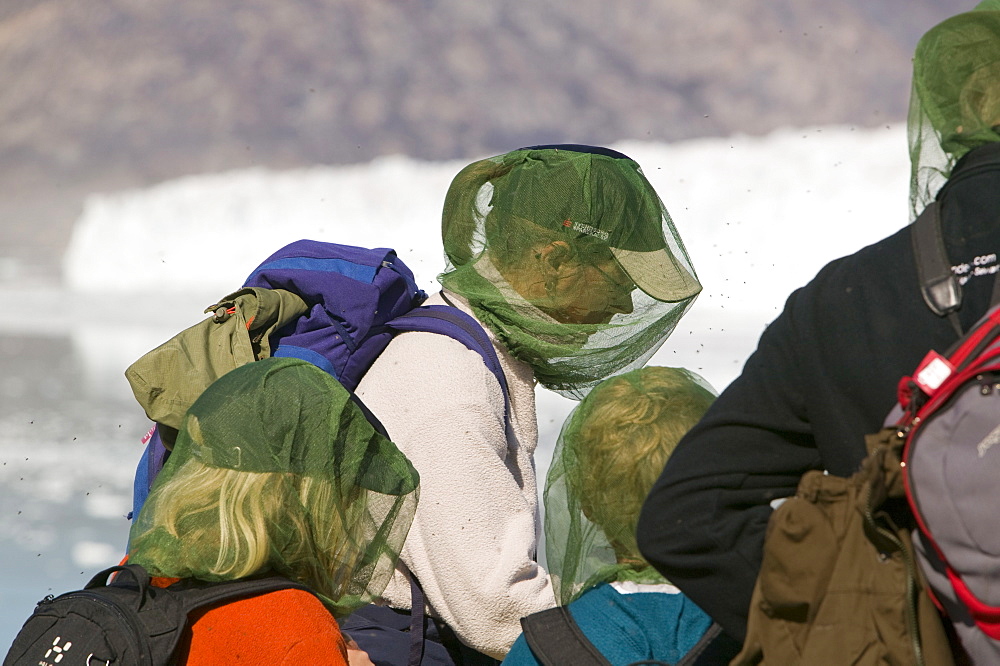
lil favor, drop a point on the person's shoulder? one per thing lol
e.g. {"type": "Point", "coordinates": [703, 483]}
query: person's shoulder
{"type": "Point", "coordinates": [625, 594]}
{"type": "Point", "coordinates": [883, 271]}
{"type": "Point", "coordinates": [878, 257]}
{"type": "Point", "coordinates": [423, 361]}
{"type": "Point", "coordinates": [304, 602]}
{"type": "Point", "coordinates": [425, 358]}
{"type": "Point", "coordinates": [298, 611]}
{"type": "Point", "coordinates": [640, 618]}
{"type": "Point", "coordinates": [301, 619]}
{"type": "Point", "coordinates": [423, 346]}
{"type": "Point", "coordinates": [266, 628]}
{"type": "Point", "coordinates": [598, 599]}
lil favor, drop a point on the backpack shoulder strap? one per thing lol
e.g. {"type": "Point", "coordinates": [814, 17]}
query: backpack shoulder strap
{"type": "Point", "coordinates": [456, 324]}
{"type": "Point", "coordinates": [195, 594]}
{"type": "Point", "coordinates": [938, 285]}
{"type": "Point", "coordinates": [555, 638]}
{"type": "Point", "coordinates": [164, 612]}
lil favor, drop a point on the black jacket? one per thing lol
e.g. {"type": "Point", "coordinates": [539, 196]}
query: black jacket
{"type": "Point", "coordinates": [824, 374]}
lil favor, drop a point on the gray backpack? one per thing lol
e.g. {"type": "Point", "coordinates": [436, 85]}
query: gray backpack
{"type": "Point", "coordinates": [951, 461]}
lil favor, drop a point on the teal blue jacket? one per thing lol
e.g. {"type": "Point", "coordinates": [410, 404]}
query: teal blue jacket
{"type": "Point", "coordinates": [630, 627]}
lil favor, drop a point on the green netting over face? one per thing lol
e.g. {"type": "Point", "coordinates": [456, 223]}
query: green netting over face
{"type": "Point", "coordinates": [275, 469]}
{"type": "Point", "coordinates": [611, 450]}
{"type": "Point", "coordinates": [570, 258]}
{"type": "Point", "coordinates": [955, 103]}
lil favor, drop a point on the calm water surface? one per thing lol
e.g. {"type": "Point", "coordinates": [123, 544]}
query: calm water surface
{"type": "Point", "coordinates": [68, 449]}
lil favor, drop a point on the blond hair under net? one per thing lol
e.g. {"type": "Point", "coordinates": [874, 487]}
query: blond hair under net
{"type": "Point", "coordinates": [610, 452]}
{"type": "Point", "coordinates": [277, 470]}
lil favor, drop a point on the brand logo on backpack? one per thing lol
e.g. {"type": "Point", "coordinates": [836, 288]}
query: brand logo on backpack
{"type": "Point", "coordinates": [987, 443]}
{"type": "Point", "coordinates": [58, 650]}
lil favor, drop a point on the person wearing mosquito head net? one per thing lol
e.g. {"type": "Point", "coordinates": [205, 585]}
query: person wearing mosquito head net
{"type": "Point", "coordinates": [825, 372]}
{"type": "Point", "coordinates": [609, 453]}
{"type": "Point", "coordinates": [277, 470]}
{"type": "Point", "coordinates": [570, 258]}
{"type": "Point", "coordinates": [955, 103]}
{"type": "Point", "coordinates": [954, 126]}
{"type": "Point", "coordinates": [567, 258]}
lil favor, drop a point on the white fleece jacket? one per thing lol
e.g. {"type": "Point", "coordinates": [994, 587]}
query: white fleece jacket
{"type": "Point", "coordinates": [473, 539]}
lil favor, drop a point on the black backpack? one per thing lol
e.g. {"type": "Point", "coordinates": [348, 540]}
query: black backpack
{"type": "Point", "coordinates": [129, 622]}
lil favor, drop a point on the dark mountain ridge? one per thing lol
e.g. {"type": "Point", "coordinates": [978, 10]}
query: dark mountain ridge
{"type": "Point", "coordinates": [121, 93]}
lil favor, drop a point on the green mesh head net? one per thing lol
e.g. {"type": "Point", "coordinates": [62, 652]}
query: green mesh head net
{"type": "Point", "coordinates": [955, 103]}
{"type": "Point", "coordinates": [275, 469]}
{"type": "Point", "coordinates": [611, 450]}
{"type": "Point", "coordinates": [568, 255]}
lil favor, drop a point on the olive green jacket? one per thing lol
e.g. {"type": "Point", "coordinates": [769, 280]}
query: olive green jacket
{"type": "Point", "coordinates": [838, 583]}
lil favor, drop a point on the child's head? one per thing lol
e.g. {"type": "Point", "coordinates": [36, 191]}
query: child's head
{"type": "Point", "coordinates": [611, 451]}
{"type": "Point", "coordinates": [628, 427]}
{"type": "Point", "coordinates": [277, 469]}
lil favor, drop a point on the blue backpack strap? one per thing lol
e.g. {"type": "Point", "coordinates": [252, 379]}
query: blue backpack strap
{"type": "Point", "coordinates": [450, 321]}
{"type": "Point", "coordinates": [150, 464]}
